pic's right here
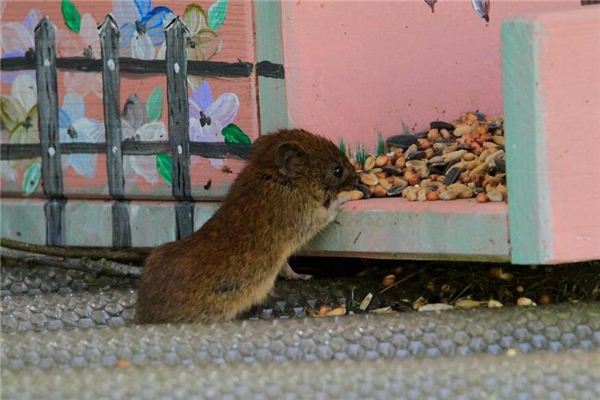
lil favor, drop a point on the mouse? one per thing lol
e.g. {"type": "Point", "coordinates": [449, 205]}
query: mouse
{"type": "Point", "coordinates": [291, 187]}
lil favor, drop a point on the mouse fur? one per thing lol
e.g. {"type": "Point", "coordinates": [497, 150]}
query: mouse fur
{"type": "Point", "coordinates": [288, 191]}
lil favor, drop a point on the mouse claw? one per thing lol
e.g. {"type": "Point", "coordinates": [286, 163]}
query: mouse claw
{"type": "Point", "coordinates": [288, 273]}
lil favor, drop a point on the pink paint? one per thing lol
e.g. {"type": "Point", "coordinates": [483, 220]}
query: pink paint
{"type": "Point", "coordinates": [570, 83]}
{"type": "Point", "coordinates": [357, 67]}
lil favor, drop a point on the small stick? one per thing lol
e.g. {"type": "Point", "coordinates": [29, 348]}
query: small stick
{"type": "Point", "coordinates": [100, 267]}
{"type": "Point", "coordinates": [76, 252]}
{"type": "Point", "coordinates": [399, 282]}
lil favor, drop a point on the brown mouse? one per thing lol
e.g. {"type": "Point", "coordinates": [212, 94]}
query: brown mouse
{"type": "Point", "coordinates": [288, 192]}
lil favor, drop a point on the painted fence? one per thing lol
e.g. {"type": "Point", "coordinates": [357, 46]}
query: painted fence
{"type": "Point", "coordinates": [177, 67]}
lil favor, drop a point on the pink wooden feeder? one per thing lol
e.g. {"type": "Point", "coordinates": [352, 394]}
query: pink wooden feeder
{"type": "Point", "coordinates": [345, 70]}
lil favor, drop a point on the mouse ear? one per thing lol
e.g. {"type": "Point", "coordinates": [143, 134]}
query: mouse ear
{"type": "Point", "coordinates": [289, 157]}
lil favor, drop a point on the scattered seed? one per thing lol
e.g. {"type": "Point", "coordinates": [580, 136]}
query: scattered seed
{"type": "Point", "coordinates": [525, 302]}
{"type": "Point", "coordinates": [336, 312]}
{"type": "Point", "coordinates": [499, 273]}
{"type": "Point", "coordinates": [545, 299]}
{"type": "Point", "coordinates": [420, 302]}
{"type": "Point", "coordinates": [432, 196]}
{"type": "Point", "coordinates": [435, 307]}
{"type": "Point", "coordinates": [469, 303]}
{"type": "Point", "coordinates": [382, 310]}
{"type": "Point", "coordinates": [366, 301]}
{"type": "Point", "coordinates": [482, 198]}
{"type": "Point", "coordinates": [494, 304]}
{"type": "Point", "coordinates": [323, 310]}
{"type": "Point", "coordinates": [389, 280]}
{"type": "Point", "coordinates": [380, 191]}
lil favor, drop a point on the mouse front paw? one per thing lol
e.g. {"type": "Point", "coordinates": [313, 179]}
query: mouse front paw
{"type": "Point", "coordinates": [288, 273]}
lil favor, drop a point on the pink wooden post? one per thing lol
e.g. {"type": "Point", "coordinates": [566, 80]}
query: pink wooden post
{"type": "Point", "coordinates": [552, 109]}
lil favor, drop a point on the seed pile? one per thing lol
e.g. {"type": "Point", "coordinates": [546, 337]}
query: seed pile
{"type": "Point", "coordinates": [457, 160]}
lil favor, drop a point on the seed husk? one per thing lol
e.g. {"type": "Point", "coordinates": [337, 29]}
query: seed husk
{"type": "Point", "coordinates": [401, 141]}
{"type": "Point", "coordinates": [441, 125]}
{"type": "Point", "coordinates": [396, 190]}
{"type": "Point", "coordinates": [393, 171]}
{"type": "Point", "coordinates": [364, 189]}
{"type": "Point", "coordinates": [452, 175]}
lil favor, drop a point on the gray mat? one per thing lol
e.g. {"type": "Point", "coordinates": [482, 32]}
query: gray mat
{"type": "Point", "coordinates": [401, 335]}
{"type": "Point", "coordinates": [540, 375]}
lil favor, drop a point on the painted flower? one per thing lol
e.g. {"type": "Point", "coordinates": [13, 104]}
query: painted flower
{"type": "Point", "coordinates": [86, 43]}
{"type": "Point", "coordinates": [19, 122]}
{"type": "Point", "coordinates": [19, 110]}
{"type": "Point", "coordinates": [75, 127]}
{"type": "Point", "coordinates": [141, 123]}
{"type": "Point", "coordinates": [141, 27]}
{"type": "Point", "coordinates": [208, 117]}
{"type": "Point", "coordinates": [17, 39]}
{"type": "Point", "coordinates": [203, 43]}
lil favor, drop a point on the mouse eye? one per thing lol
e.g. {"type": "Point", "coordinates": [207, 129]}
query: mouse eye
{"type": "Point", "coordinates": [338, 172]}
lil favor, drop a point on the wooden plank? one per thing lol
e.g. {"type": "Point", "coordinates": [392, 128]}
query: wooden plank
{"type": "Point", "coordinates": [376, 228]}
{"type": "Point", "coordinates": [23, 219]}
{"type": "Point", "coordinates": [121, 229]}
{"type": "Point", "coordinates": [47, 92]}
{"type": "Point", "coordinates": [184, 219]}
{"type": "Point", "coordinates": [569, 61]}
{"type": "Point", "coordinates": [551, 87]}
{"type": "Point", "coordinates": [54, 210]}
{"type": "Point", "coordinates": [272, 90]}
{"type": "Point", "coordinates": [529, 209]}
{"type": "Point", "coordinates": [109, 37]}
{"type": "Point", "coordinates": [399, 229]}
{"type": "Point", "coordinates": [152, 223]}
{"type": "Point", "coordinates": [177, 97]}
{"type": "Point", "coordinates": [100, 233]}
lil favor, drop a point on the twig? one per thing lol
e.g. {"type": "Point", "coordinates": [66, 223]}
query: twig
{"type": "Point", "coordinates": [399, 282]}
{"type": "Point", "coordinates": [100, 267]}
{"type": "Point", "coordinates": [76, 252]}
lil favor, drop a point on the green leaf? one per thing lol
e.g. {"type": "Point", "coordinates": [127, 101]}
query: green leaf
{"type": "Point", "coordinates": [361, 154]}
{"type": "Point", "coordinates": [233, 134]}
{"type": "Point", "coordinates": [380, 145]}
{"type": "Point", "coordinates": [342, 146]}
{"type": "Point", "coordinates": [154, 105]}
{"type": "Point", "coordinates": [405, 128]}
{"type": "Point", "coordinates": [32, 178]}
{"type": "Point", "coordinates": [164, 165]}
{"type": "Point", "coordinates": [217, 13]}
{"type": "Point", "coordinates": [71, 15]}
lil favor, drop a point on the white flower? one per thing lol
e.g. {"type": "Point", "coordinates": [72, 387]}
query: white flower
{"type": "Point", "coordinates": [135, 127]}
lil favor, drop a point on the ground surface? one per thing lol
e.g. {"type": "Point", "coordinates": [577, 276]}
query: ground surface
{"type": "Point", "coordinates": [418, 283]}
